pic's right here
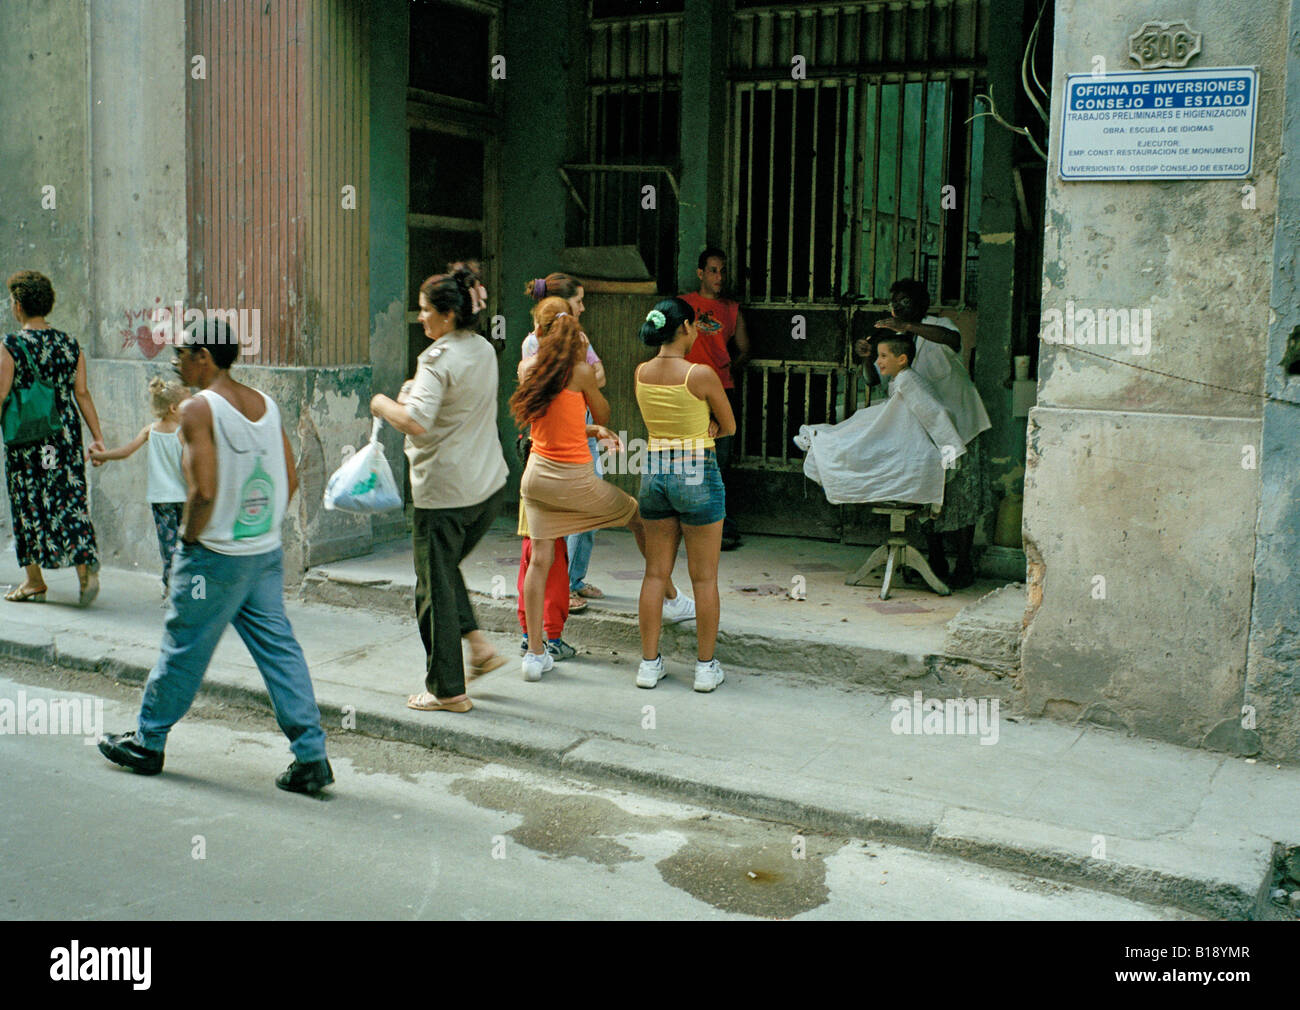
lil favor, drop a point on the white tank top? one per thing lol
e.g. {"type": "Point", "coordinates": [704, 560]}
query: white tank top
{"type": "Point", "coordinates": [166, 479]}
{"type": "Point", "coordinates": [252, 480]}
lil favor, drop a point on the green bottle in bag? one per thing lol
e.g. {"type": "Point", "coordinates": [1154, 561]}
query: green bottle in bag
{"type": "Point", "coordinates": [256, 505]}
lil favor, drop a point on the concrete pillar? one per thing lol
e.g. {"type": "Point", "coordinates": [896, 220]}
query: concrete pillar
{"type": "Point", "coordinates": [700, 218]}
{"type": "Point", "coordinates": [1272, 672]}
{"type": "Point", "coordinates": [544, 102]}
{"type": "Point", "coordinates": [997, 259]}
{"type": "Point", "coordinates": [389, 188]}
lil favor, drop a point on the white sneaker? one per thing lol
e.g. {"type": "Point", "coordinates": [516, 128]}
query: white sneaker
{"type": "Point", "coordinates": [680, 608]}
{"type": "Point", "coordinates": [708, 675]}
{"type": "Point", "coordinates": [534, 665]}
{"type": "Point", "coordinates": [651, 672]}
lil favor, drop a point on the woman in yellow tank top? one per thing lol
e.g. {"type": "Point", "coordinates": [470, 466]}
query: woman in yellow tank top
{"type": "Point", "coordinates": [682, 497]}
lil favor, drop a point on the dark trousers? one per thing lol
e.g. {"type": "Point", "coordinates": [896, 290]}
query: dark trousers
{"type": "Point", "coordinates": [441, 540]}
{"type": "Point", "coordinates": [725, 447]}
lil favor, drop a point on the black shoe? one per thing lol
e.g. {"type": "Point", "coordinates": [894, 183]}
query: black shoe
{"type": "Point", "coordinates": [730, 543]}
{"type": "Point", "coordinates": [308, 777]}
{"type": "Point", "coordinates": [125, 749]}
{"type": "Point", "coordinates": [961, 578]}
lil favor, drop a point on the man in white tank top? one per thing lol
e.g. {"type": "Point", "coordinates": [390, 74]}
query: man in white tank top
{"type": "Point", "coordinates": [239, 476]}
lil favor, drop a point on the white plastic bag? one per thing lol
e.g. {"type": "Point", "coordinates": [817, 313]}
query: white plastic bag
{"type": "Point", "coordinates": [364, 483]}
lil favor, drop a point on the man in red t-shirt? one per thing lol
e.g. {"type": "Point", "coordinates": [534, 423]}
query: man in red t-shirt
{"type": "Point", "coordinates": [719, 323]}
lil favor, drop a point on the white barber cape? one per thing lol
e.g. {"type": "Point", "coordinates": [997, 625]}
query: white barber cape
{"type": "Point", "coordinates": [893, 451]}
{"type": "Point", "coordinates": [941, 366]}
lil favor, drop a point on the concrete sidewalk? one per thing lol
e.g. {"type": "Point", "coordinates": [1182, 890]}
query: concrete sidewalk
{"type": "Point", "coordinates": [1147, 820]}
{"type": "Point", "coordinates": [846, 635]}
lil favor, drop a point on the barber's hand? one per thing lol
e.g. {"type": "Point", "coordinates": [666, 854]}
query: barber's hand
{"type": "Point", "coordinates": [893, 323]}
{"type": "Point", "coordinates": [862, 348]}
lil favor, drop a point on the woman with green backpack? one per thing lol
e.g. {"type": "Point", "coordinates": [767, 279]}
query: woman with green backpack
{"type": "Point", "coordinates": [42, 388]}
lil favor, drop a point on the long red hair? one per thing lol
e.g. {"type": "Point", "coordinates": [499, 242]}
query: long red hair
{"type": "Point", "coordinates": [560, 348]}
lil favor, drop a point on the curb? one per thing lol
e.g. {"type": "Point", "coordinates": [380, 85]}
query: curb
{"type": "Point", "coordinates": [805, 660]}
{"type": "Point", "coordinates": [929, 826]}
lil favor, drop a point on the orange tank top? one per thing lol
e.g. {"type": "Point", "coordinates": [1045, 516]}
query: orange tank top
{"type": "Point", "coordinates": [561, 433]}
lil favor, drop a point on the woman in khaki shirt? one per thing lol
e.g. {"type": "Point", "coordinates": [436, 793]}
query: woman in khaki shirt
{"type": "Point", "coordinates": [458, 474]}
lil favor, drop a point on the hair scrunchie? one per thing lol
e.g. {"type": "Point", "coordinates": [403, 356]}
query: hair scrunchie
{"type": "Point", "coordinates": [539, 288]}
{"type": "Point", "coordinates": [656, 317]}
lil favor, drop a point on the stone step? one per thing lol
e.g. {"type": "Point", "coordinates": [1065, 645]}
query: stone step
{"type": "Point", "coordinates": [838, 635]}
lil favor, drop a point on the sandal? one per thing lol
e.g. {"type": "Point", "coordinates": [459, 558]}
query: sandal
{"type": "Point", "coordinates": [89, 589]}
{"type": "Point", "coordinates": [19, 595]}
{"type": "Point", "coordinates": [426, 702]}
{"type": "Point", "coordinates": [493, 662]}
{"type": "Point", "coordinates": [576, 604]}
{"type": "Point", "coordinates": [591, 592]}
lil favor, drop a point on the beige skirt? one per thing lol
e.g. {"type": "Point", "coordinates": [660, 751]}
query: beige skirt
{"type": "Point", "coordinates": [565, 498]}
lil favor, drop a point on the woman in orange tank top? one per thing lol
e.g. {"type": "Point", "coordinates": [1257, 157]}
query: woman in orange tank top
{"type": "Point", "coordinates": [560, 491]}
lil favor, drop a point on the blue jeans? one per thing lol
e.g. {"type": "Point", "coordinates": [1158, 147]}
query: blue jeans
{"type": "Point", "coordinates": [208, 592]}
{"type": "Point", "coordinates": [580, 544]}
{"type": "Point", "coordinates": [689, 490]}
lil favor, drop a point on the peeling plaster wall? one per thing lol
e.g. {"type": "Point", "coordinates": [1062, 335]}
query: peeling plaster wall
{"type": "Point", "coordinates": [323, 411]}
{"type": "Point", "coordinates": [43, 80]}
{"type": "Point", "coordinates": [1132, 477]}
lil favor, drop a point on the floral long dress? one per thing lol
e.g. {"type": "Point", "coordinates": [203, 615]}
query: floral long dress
{"type": "Point", "coordinates": [47, 480]}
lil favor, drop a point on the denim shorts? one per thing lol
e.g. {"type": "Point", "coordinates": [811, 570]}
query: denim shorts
{"type": "Point", "coordinates": [688, 488]}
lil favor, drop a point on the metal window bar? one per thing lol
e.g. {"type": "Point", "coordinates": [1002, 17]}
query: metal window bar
{"type": "Point", "coordinates": [910, 133]}
{"type": "Point", "coordinates": [768, 445]}
{"type": "Point", "coordinates": [633, 116]}
{"type": "Point", "coordinates": [859, 35]}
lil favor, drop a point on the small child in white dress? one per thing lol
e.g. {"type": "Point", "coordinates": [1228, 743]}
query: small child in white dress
{"type": "Point", "coordinates": [166, 490]}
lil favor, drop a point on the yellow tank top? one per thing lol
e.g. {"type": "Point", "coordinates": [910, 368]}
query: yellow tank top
{"type": "Point", "coordinates": [674, 417]}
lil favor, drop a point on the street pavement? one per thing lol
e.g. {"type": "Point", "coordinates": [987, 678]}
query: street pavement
{"type": "Point", "coordinates": [406, 833]}
{"type": "Point", "coordinates": [1077, 804]}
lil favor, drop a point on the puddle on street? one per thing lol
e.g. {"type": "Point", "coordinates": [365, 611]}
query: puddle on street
{"type": "Point", "coordinates": [558, 826]}
{"type": "Point", "coordinates": [733, 864]}
{"type": "Point", "coordinates": [764, 880]}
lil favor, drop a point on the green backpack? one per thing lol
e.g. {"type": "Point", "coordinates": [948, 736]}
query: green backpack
{"type": "Point", "coordinates": [31, 414]}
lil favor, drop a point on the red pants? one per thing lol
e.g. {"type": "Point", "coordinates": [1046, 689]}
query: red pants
{"type": "Point", "coordinates": [555, 608]}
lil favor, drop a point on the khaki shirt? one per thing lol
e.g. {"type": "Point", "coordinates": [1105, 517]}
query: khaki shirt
{"type": "Point", "coordinates": [458, 460]}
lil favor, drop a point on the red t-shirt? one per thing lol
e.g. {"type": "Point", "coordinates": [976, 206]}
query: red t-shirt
{"type": "Point", "coordinates": [716, 322]}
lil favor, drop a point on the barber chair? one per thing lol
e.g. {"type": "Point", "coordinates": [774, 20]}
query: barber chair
{"type": "Point", "coordinates": [897, 551]}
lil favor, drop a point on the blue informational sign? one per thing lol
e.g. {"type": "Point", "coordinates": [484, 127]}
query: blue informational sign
{"type": "Point", "coordinates": [1159, 124]}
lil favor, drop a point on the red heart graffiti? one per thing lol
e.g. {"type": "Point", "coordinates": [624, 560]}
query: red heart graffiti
{"type": "Point", "coordinates": [144, 338]}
